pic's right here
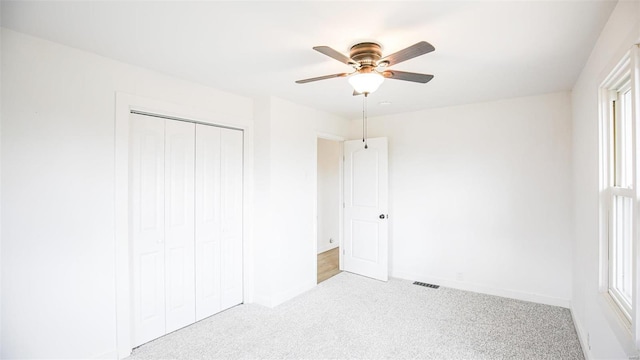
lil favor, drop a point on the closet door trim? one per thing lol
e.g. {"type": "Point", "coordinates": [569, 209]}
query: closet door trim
{"type": "Point", "coordinates": [146, 113]}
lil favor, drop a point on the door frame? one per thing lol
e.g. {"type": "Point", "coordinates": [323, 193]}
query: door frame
{"type": "Point", "coordinates": [341, 140]}
{"type": "Point", "coordinates": [125, 104]}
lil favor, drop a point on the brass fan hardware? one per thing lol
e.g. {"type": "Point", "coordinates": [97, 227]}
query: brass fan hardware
{"type": "Point", "coordinates": [370, 70]}
{"type": "Point", "coordinates": [370, 67]}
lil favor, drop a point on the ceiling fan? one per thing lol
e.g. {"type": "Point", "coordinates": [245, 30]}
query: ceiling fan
{"type": "Point", "coordinates": [371, 68]}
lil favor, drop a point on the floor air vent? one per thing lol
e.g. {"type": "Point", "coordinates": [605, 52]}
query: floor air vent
{"type": "Point", "coordinates": [426, 285]}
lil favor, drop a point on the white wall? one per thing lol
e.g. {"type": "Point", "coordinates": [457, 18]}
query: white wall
{"type": "Point", "coordinates": [329, 162]}
{"type": "Point", "coordinates": [285, 238]}
{"type": "Point", "coordinates": [593, 316]}
{"type": "Point", "coordinates": [480, 196]}
{"type": "Point", "coordinates": [1, 347]}
{"type": "Point", "coordinates": [264, 255]}
{"type": "Point", "coordinates": [482, 191]}
{"type": "Point", "coordinates": [57, 152]}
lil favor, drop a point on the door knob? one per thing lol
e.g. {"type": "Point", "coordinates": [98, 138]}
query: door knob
{"type": "Point", "coordinates": [382, 216]}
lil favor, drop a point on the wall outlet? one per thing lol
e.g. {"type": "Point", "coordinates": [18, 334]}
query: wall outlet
{"type": "Point", "coordinates": [459, 276]}
{"type": "Point", "coordinates": [330, 240]}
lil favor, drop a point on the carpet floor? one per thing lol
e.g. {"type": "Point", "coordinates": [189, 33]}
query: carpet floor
{"type": "Point", "coordinates": [353, 317]}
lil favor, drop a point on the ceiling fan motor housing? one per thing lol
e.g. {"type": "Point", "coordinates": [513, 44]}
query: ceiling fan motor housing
{"type": "Point", "coordinates": [366, 54]}
{"type": "Point", "coordinates": [366, 58]}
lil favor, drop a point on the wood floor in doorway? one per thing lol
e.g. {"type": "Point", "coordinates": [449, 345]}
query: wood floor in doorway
{"type": "Point", "coordinates": [328, 264]}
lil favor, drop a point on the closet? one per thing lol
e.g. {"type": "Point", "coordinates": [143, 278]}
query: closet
{"type": "Point", "coordinates": [185, 223]}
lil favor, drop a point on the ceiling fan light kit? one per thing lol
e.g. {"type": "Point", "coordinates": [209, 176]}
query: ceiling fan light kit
{"type": "Point", "coordinates": [366, 83]}
{"type": "Point", "coordinates": [370, 69]}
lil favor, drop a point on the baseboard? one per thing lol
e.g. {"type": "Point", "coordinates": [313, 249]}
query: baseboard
{"type": "Point", "coordinates": [289, 294]}
{"type": "Point", "coordinates": [536, 298]}
{"type": "Point", "coordinates": [108, 355]}
{"type": "Point", "coordinates": [581, 335]}
{"type": "Point", "coordinates": [261, 300]}
{"type": "Point", "coordinates": [327, 248]}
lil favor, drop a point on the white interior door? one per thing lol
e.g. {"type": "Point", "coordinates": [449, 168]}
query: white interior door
{"type": "Point", "coordinates": [146, 198]}
{"type": "Point", "coordinates": [208, 229]}
{"type": "Point", "coordinates": [365, 213]}
{"type": "Point", "coordinates": [231, 199]}
{"type": "Point", "coordinates": [179, 224]}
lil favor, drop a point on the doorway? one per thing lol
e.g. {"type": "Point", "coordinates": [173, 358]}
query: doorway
{"type": "Point", "coordinates": [329, 214]}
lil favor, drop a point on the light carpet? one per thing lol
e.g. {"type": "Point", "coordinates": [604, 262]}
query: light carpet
{"type": "Point", "coordinates": [353, 317]}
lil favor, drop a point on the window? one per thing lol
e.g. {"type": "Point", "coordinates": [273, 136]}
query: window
{"type": "Point", "coordinates": [622, 196]}
{"type": "Point", "coordinates": [618, 187]}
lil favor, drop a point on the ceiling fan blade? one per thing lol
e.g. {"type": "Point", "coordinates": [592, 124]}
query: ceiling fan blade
{"type": "Point", "coordinates": [407, 76]}
{"type": "Point", "coordinates": [304, 81]}
{"type": "Point", "coordinates": [355, 93]}
{"type": "Point", "coordinates": [412, 51]}
{"type": "Point", "coordinates": [335, 54]}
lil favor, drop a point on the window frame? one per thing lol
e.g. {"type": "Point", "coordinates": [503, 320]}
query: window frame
{"type": "Point", "coordinates": [621, 185]}
{"type": "Point", "coordinates": [615, 183]}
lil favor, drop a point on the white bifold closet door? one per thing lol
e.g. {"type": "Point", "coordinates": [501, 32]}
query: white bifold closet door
{"type": "Point", "coordinates": [146, 227]}
{"type": "Point", "coordinates": [231, 190]}
{"type": "Point", "coordinates": [185, 223]}
{"type": "Point", "coordinates": [179, 226]}
{"type": "Point", "coordinates": [218, 219]}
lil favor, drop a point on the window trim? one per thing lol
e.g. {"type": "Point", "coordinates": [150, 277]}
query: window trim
{"type": "Point", "coordinates": [625, 75]}
{"type": "Point", "coordinates": [618, 80]}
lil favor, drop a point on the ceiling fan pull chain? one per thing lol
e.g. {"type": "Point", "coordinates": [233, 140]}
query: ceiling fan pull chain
{"type": "Point", "coordinates": [365, 121]}
{"type": "Point", "coordinates": [363, 104]}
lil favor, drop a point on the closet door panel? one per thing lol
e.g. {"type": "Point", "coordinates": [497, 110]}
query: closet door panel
{"type": "Point", "coordinates": [207, 240]}
{"type": "Point", "coordinates": [179, 224]}
{"type": "Point", "coordinates": [231, 204]}
{"type": "Point", "coordinates": [147, 221]}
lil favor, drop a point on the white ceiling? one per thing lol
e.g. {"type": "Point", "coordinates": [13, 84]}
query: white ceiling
{"type": "Point", "coordinates": [484, 50]}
